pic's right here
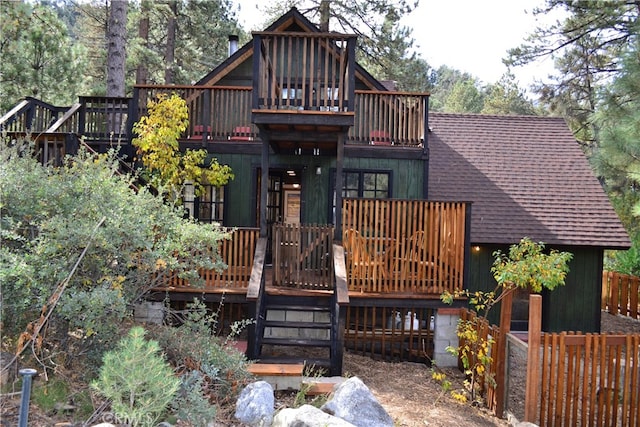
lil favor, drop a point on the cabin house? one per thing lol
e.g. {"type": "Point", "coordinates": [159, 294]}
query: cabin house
{"type": "Point", "coordinates": [354, 207]}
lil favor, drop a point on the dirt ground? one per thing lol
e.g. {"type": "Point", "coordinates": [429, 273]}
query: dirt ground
{"type": "Point", "coordinates": [405, 390]}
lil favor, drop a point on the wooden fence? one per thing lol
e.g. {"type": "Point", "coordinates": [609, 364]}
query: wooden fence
{"type": "Point", "coordinates": [581, 379]}
{"type": "Point", "coordinates": [571, 378]}
{"type": "Point", "coordinates": [621, 294]}
{"type": "Point", "coordinates": [237, 252]}
{"type": "Point", "coordinates": [302, 256]}
{"type": "Point", "coordinates": [589, 379]}
{"type": "Point", "coordinates": [491, 389]}
{"type": "Point", "coordinates": [407, 246]}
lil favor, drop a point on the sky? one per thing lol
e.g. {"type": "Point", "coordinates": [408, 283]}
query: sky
{"type": "Point", "coordinates": [468, 35]}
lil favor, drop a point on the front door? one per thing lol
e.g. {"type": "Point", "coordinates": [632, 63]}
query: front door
{"type": "Point", "coordinates": [283, 199]}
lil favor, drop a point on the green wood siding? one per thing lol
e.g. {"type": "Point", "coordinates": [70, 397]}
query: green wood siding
{"type": "Point", "coordinates": [576, 306]}
{"type": "Point", "coordinates": [406, 175]}
{"type": "Point", "coordinates": [573, 307]}
{"type": "Point", "coordinates": [239, 197]}
{"type": "Point", "coordinates": [240, 203]}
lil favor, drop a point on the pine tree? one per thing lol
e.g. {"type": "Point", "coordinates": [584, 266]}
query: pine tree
{"type": "Point", "coordinates": [586, 46]}
{"type": "Point", "coordinates": [38, 56]}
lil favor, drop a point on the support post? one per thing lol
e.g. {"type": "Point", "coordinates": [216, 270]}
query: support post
{"type": "Point", "coordinates": [264, 184]}
{"type": "Point", "coordinates": [505, 327]}
{"type": "Point", "coordinates": [533, 358]}
{"type": "Point", "coordinates": [338, 209]}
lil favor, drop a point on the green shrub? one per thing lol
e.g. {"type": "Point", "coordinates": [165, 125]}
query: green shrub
{"type": "Point", "coordinates": [192, 404]}
{"type": "Point", "coordinates": [136, 379]}
{"type": "Point", "coordinates": [48, 216]}
{"type": "Point", "coordinates": [193, 345]}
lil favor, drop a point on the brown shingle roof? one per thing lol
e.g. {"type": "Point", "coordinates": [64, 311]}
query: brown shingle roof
{"type": "Point", "coordinates": [525, 175]}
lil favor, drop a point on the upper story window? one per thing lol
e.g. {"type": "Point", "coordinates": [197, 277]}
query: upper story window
{"type": "Point", "coordinates": [208, 207]}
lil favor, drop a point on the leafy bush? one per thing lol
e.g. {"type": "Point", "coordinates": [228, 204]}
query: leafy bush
{"type": "Point", "coordinates": [137, 380]}
{"type": "Point", "coordinates": [213, 366]}
{"type": "Point", "coordinates": [49, 216]}
{"type": "Point", "coordinates": [526, 266]}
{"type": "Point", "coordinates": [165, 164]}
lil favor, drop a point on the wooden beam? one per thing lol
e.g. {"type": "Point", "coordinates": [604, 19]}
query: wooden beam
{"type": "Point", "coordinates": [340, 271]}
{"type": "Point", "coordinates": [264, 184]}
{"type": "Point", "coordinates": [338, 209]}
{"type": "Point", "coordinates": [505, 327]}
{"type": "Point", "coordinates": [257, 271]}
{"type": "Point", "coordinates": [533, 358]}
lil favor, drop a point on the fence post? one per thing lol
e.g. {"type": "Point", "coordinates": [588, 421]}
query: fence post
{"type": "Point", "coordinates": [533, 358]}
{"type": "Point", "coordinates": [505, 327]}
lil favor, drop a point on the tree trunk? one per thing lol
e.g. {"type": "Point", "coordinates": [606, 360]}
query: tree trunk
{"type": "Point", "coordinates": [325, 13]}
{"type": "Point", "coordinates": [169, 57]}
{"type": "Point", "coordinates": [142, 72]}
{"type": "Point", "coordinates": [116, 48]}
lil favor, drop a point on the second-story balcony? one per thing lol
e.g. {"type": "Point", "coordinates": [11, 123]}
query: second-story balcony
{"type": "Point", "coordinates": [223, 114]}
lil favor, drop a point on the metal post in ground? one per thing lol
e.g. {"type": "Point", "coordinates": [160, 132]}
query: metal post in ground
{"type": "Point", "coordinates": [27, 374]}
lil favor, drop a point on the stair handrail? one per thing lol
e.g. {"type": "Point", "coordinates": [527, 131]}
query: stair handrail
{"type": "Point", "coordinates": [340, 303]}
{"type": "Point", "coordinates": [14, 111]}
{"type": "Point", "coordinates": [69, 113]}
{"type": "Point", "coordinates": [340, 272]}
{"type": "Point", "coordinates": [255, 293]}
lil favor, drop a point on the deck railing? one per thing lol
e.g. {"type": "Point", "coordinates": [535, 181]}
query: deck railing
{"type": "Point", "coordinates": [302, 256]}
{"type": "Point", "coordinates": [306, 71]}
{"type": "Point", "coordinates": [223, 113]}
{"type": "Point", "coordinates": [30, 115]}
{"type": "Point", "coordinates": [389, 118]}
{"type": "Point", "coordinates": [237, 252]}
{"type": "Point", "coordinates": [404, 246]}
{"type": "Point", "coordinates": [105, 119]}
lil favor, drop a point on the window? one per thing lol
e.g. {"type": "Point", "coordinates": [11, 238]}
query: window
{"type": "Point", "coordinates": [362, 184]}
{"type": "Point", "coordinates": [366, 185]}
{"type": "Point", "coordinates": [208, 207]}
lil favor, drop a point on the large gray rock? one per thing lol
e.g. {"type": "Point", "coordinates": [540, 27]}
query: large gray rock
{"type": "Point", "coordinates": [307, 416]}
{"type": "Point", "coordinates": [353, 402]}
{"type": "Point", "coordinates": [255, 406]}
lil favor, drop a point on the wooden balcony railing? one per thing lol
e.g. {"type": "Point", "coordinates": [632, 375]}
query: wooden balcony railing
{"type": "Point", "coordinates": [404, 246]}
{"type": "Point", "coordinates": [306, 71]}
{"type": "Point", "coordinates": [30, 115]}
{"type": "Point", "coordinates": [105, 119]}
{"type": "Point", "coordinates": [389, 118]}
{"type": "Point", "coordinates": [237, 253]}
{"type": "Point", "coordinates": [223, 113]}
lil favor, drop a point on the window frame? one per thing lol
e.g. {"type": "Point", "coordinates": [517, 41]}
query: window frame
{"type": "Point", "coordinates": [216, 203]}
{"type": "Point", "coordinates": [360, 190]}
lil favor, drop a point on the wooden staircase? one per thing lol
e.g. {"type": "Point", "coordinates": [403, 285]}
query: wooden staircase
{"type": "Point", "coordinates": [298, 325]}
{"type": "Point", "coordinates": [297, 330]}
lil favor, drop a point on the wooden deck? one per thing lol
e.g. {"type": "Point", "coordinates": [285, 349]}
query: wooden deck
{"type": "Point", "coordinates": [392, 248]}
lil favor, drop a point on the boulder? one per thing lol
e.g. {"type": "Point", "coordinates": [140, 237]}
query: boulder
{"type": "Point", "coordinates": [255, 406]}
{"type": "Point", "coordinates": [307, 416]}
{"type": "Point", "coordinates": [353, 402]}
